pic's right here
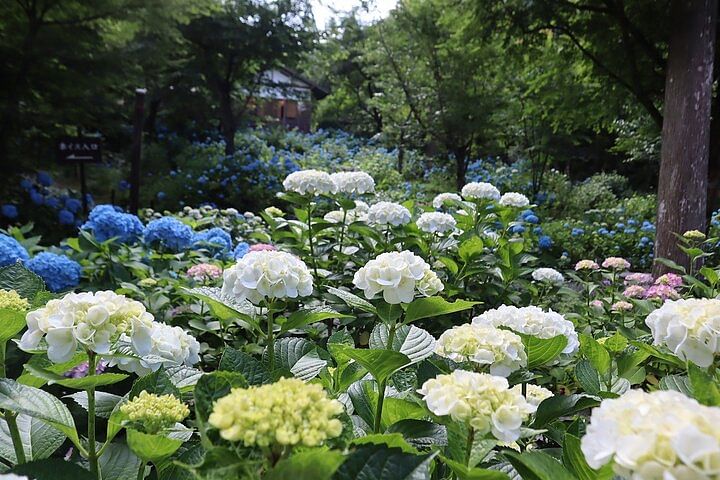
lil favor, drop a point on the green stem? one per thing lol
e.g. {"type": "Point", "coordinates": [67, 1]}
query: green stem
{"type": "Point", "coordinates": [469, 445]}
{"type": "Point", "coordinates": [141, 470]}
{"type": "Point", "coordinates": [15, 435]}
{"type": "Point", "coordinates": [382, 385]}
{"type": "Point", "coordinates": [310, 237]}
{"type": "Point", "coordinates": [342, 237]}
{"type": "Point", "coordinates": [92, 454]}
{"type": "Point", "coordinates": [271, 340]}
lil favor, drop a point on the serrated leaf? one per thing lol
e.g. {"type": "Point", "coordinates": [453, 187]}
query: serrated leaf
{"type": "Point", "coordinates": [104, 402]}
{"type": "Point", "coordinates": [704, 387]}
{"type": "Point", "coordinates": [315, 464]}
{"type": "Point", "coordinates": [252, 369]}
{"type": "Point", "coordinates": [39, 439]}
{"type": "Point", "coordinates": [557, 406]}
{"type": "Point", "coordinates": [429, 307]}
{"type": "Point", "coordinates": [353, 300]}
{"type": "Point", "coordinates": [574, 460]}
{"type": "Point", "coordinates": [291, 350]}
{"type": "Point", "coordinates": [464, 472]}
{"type": "Point", "coordinates": [536, 465]}
{"type": "Point", "coordinates": [595, 353]}
{"type": "Point", "coordinates": [379, 461]}
{"type": "Point", "coordinates": [308, 366]}
{"type": "Point", "coordinates": [11, 323]}
{"type": "Point", "coordinates": [41, 361]}
{"type": "Point", "coordinates": [301, 318]}
{"type": "Point", "coordinates": [409, 340]}
{"type": "Point", "coordinates": [223, 307]}
{"type": "Point", "coordinates": [678, 383]}
{"type": "Point", "coordinates": [213, 386]}
{"type": "Point", "coordinates": [81, 383]}
{"type": "Point", "coordinates": [541, 351]}
{"type": "Point", "coordinates": [118, 462]}
{"type": "Point", "coordinates": [184, 377]}
{"type": "Point", "coordinates": [151, 448]}
{"type": "Point", "coordinates": [420, 433]}
{"type": "Point", "coordinates": [380, 363]}
{"type": "Point", "coordinates": [16, 277]}
{"type": "Point", "coordinates": [587, 376]}
{"type": "Point", "coordinates": [52, 469]}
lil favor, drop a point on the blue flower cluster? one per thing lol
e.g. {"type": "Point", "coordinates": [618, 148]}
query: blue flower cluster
{"type": "Point", "coordinates": [41, 195]}
{"type": "Point", "coordinates": [107, 221]}
{"type": "Point", "coordinates": [57, 271]}
{"type": "Point", "coordinates": [11, 251]}
{"type": "Point", "coordinates": [169, 233]}
{"type": "Point", "coordinates": [215, 239]}
{"type": "Point", "coordinates": [241, 250]}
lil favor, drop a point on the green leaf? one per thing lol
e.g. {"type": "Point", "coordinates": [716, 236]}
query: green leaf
{"type": "Point", "coordinates": [82, 383]}
{"type": "Point", "coordinates": [52, 469]}
{"type": "Point", "coordinates": [380, 363]}
{"type": "Point", "coordinates": [393, 440]}
{"type": "Point", "coordinates": [389, 313]}
{"type": "Point", "coordinates": [183, 377]}
{"type": "Point", "coordinates": [301, 318]}
{"type": "Point", "coordinates": [464, 472]}
{"type": "Point", "coordinates": [104, 402]}
{"type": "Point", "coordinates": [410, 340]}
{"type": "Point", "coordinates": [224, 308]}
{"type": "Point", "coordinates": [39, 439]}
{"type": "Point", "coordinates": [240, 362]}
{"type": "Point", "coordinates": [704, 387]}
{"type": "Point", "coordinates": [149, 447]}
{"type": "Point", "coordinates": [213, 386]}
{"type": "Point", "coordinates": [678, 383]}
{"type": "Point", "coordinates": [170, 469]}
{"type": "Point", "coordinates": [308, 366]}
{"type": "Point", "coordinates": [315, 464]}
{"type": "Point", "coordinates": [542, 350]}
{"type": "Point", "coordinates": [595, 353]}
{"type": "Point", "coordinates": [574, 460]}
{"type": "Point", "coordinates": [434, 307]}
{"type": "Point", "coordinates": [38, 404]}
{"type": "Point", "coordinates": [300, 356]}
{"type": "Point", "coordinates": [538, 466]}
{"type": "Point", "coordinates": [617, 343]}
{"type": "Point", "coordinates": [353, 300]}
{"type": "Point", "coordinates": [587, 377]}
{"type": "Point", "coordinates": [380, 462]}
{"type": "Point", "coordinates": [710, 275]}
{"type": "Point", "coordinates": [470, 248]}
{"type": "Point", "coordinates": [11, 323]}
{"type": "Point", "coordinates": [652, 351]}
{"type": "Point", "coordinates": [560, 406]}
{"type": "Point", "coordinates": [16, 277]}
{"type": "Point", "coordinates": [42, 362]}
{"type": "Point", "coordinates": [420, 433]}
{"type": "Point", "coordinates": [118, 462]}
{"type": "Point", "coordinates": [396, 409]}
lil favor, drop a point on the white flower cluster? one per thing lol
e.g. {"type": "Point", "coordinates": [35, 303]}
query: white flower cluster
{"type": "Point", "coordinates": [397, 275]}
{"type": "Point", "coordinates": [168, 346]}
{"type": "Point", "coordinates": [484, 402]}
{"type": "Point", "coordinates": [309, 182]}
{"type": "Point", "coordinates": [534, 394]}
{"type": "Point", "coordinates": [514, 199]}
{"type": "Point", "coordinates": [662, 435]}
{"type": "Point", "coordinates": [442, 199]}
{"type": "Point", "coordinates": [267, 274]}
{"type": "Point", "coordinates": [353, 182]}
{"type": "Point", "coordinates": [93, 320]}
{"type": "Point", "coordinates": [436, 222]}
{"type": "Point", "coordinates": [531, 321]}
{"type": "Point", "coordinates": [501, 349]}
{"type": "Point", "coordinates": [690, 328]}
{"type": "Point", "coordinates": [549, 275]}
{"type": "Point", "coordinates": [480, 191]}
{"type": "Point", "coordinates": [388, 213]}
{"type": "Point", "coordinates": [357, 214]}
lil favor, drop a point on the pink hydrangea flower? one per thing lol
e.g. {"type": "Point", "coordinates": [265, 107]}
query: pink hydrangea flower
{"type": "Point", "coordinates": [259, 247]}
{"type": "Point", "coordinates": [670, 279]}
{"type": "Point", "coordinates": [81, 370]}
{"type": "Point", "coordinates": [616, 263]}
{"type": "Point", "coordinates": [621, 306]}
{"type": "Point", "coordinates": [662, 292]}
{"type": "Point", "coordinates": [586, 265]}
{"type": "Point", "coordinates": [638, 278]}
{"type": "Point", "coordinates": [634, 291]}
{"type": "Point", "coordinates": [203, 272]}
{"type": "Point", "coordinates": [596, 304]}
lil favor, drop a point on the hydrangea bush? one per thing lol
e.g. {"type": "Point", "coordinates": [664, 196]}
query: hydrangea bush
{"type": "Point", "coordinates": [338, 335]}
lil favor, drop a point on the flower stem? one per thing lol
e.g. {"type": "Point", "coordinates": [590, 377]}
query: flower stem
{"type": "Point", "coordinates": [469, 445]}
{"type": "Point", "coordinates": [271, 339]}
{"type": "Point", "coordinates": [15, 435]}
{"type": "Point", "coordinates": [310, 237]}
{"type": "Point", "coordinates": [382, 385]}
{"type": "Point", "coordinates": [141, 470]}
{"type": "Point", "coordinates": [92, 454]}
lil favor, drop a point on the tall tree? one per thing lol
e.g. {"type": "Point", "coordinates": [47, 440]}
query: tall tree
{"type": "Point", "coordinates": [686, 127]}
{"type": "Point", "coordinates": [234, 46]}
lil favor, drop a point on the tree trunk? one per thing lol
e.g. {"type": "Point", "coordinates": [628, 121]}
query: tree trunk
{"type": "Point", "coordinates": [228, 125]}
{"type": "Point", "coordinates": [460, 166]}
{"type": "Point", "coordinates": [682, 189]}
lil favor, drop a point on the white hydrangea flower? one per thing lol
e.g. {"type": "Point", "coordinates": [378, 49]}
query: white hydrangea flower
{"type": "Point", "coordinates": [662, 435]}
{"type": "Point", "coordinates": [480, 191]}
{"type": "Point", "coordinates": [388, 213]}
{"type": "Point", "coordinates": [501, 349]}
{"type": "Point", "coordinates": [12, 476]}
{"type": "Point", "coordinates": [436, 222]}
{"type": "Point", "coordinates": [514, 199]}
{"type": "Point", "coordinates": [484, 402]}
{"type": "Point", "coordinates": [312, 182]}
{"type": "Point", "coordinates": [353, 182]}
{"type": "Point", "coordinates": [397, 275]}
{"type": "Point", "coordinates": [357, 214]}
{"type": "Point", "coordinates": [267, 274]}
{"type": "Point", "coordinates": [534, 394]}
{"type": "Point", "coordinates": [689, 328]}
{"type": "Point", "coordinates": [170, 346]}
{"type": "Point", "coordinates": [549, 275]}
{"type": "Point", "coordinates": [93, 320]}
{"type": "Point", "coordinates": [531, 321]}
{"type": "Point", "coordinates": [439, 202]}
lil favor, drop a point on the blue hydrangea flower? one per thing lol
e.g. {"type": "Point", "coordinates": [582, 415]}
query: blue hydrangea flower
{"type": "Point", "coordinates": [603, 231]}
{"type": "Point", "coordinates": [59, 272]}
{"type": "Point", "coordinates": [215, 239]}
{"type": "Point", "coordinates": [517, 229]}
{"type": "Point", "coordinates": [9, 211]}
{"type": "Point", "coordinates": [545, 242]}
{"type": "Point", "coordinates": [124, 185]}
{"type": "Point", "coordinates": [241, 250]}
{"type": "Point", "coordinates": [161, 195]}
{"type": "Point", "coordinates": [537, 230]}
{"type": "Point", "coordinates": [52, 202]}
{"type": "Point", "coordinates": [25, 184]}
{"type": "Point", "coordinates": [107, 221]}
{"type": "Point", "coordinates": [73, 204]}
{"type": "Point", "coordinates": [170, 233]}
{"type": "Point", "coordinates": [44, 179]}
{"type": "Point", "coordinates": [11, 251]}
{"type": "Point", "coordinates": [36, 197]}
{"type": "Point", "coordinates": [532, 219]}
{"type": "Point", "coordinates": [577, 232]}
{"type": "Point", "coordinates": [65, 217]}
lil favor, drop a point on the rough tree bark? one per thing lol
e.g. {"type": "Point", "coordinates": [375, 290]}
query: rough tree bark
{"type": "Point", "coordinates": [683, 180]}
